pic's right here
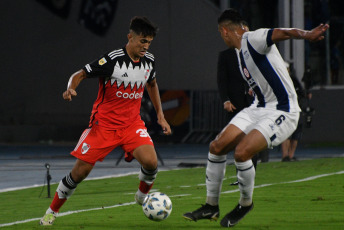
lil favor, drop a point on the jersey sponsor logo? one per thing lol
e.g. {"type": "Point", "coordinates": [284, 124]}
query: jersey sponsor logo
{"type": "Point", "coordinates": [102, 61]}
{"type": "Point", "coordinates": [85, 147]}
{"type": "Point", "coordinates": [133, 95]}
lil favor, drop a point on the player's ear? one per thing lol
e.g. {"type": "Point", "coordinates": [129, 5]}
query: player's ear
{"type": "Point", "coordinates": [129, 36]}
{"type": "Point", "coordinates": [224, 30]}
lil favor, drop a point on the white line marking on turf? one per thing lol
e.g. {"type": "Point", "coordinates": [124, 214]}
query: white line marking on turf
{"type": "Point", "coordinates": [289, 182]}
{"type": "Point", "coordinates": [131, 203]}
{"type": "Point", "coordinates": [92, 178]}
{"type": "Point", "coordinates": [69, 213]}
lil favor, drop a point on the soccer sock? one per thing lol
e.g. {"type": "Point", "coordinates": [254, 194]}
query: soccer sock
{"type": "Point", "coordinates": [215, 172]}
{"type": "Point", "coordinates": [65, 189]}
{"type": "Point", "coordinates": [246, 174]}
{"type": "Point", "coordinates": [147, 178]}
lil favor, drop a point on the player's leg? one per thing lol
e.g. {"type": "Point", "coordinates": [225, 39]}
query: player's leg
{"type": "Point", "coordinates": [293, 145]}
{"type": "Point", "coordinates": [297, 135]}
{"type": "Point", "coordinates": [215, 171]}
{"type": "Point", "coordinates": [65, 189]}
{"type": "Point", "coordinates": [94, 144]}
{"type": "Point", "coordinates": [139, 145]}
{"type": "Point", "coordinates": [285, 146]}
{"type": "Point", "coordinates": [270, 129]}
{"type": "Point", "coordinates": [224, 142]}
{"type": "Point", "coordinates": [146, 156]}
{"type": "Point", "coordinates": [250, 145]}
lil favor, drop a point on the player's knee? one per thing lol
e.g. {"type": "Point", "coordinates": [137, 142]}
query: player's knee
{"type": "Point", "coordinates": [152, 164]}
{"type": "Point", "coordinates": [81, 170]}
{"type": "Point", "coordinates": [215, 148]}
{"type": "Point", "coordinates": [80, 175]}
{"type": "Point", "coordinates": [241, 154]}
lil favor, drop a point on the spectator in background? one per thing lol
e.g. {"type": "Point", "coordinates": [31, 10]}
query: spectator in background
{"type": "Point", "coordinates": [289, 146]}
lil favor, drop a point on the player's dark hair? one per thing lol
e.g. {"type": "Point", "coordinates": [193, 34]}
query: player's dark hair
{"type": "Point", "coordinates": [230, 15]}
{"type": "Point", "coordinates": [142, 26]}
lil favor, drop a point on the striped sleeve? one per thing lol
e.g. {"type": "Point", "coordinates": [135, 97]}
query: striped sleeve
{"type": "Point", "coordinates": [103, 66]}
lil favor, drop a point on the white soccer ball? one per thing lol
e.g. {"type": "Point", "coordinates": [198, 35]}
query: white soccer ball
{"type": "Point", "coordinates": [157, 206]}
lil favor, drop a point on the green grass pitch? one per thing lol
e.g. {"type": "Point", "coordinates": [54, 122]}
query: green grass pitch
{"type": "Point", "coordinates": [305, 195]}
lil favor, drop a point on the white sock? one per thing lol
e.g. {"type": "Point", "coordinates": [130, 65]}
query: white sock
{"type": "Point", "coordinates": [50, 211]}
{"type": "Point", "coordinates": [140, 196]}
{"type": "Point", "coordinates": [246, 175]}
{"type": "Point", "coordinates": [215, 172]}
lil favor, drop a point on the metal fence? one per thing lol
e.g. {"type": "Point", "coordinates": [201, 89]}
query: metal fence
{"type": "Point", "coordinates": [207, 116]}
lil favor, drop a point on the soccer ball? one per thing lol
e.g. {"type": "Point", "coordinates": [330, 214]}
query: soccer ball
{"type": "Point", "coordinates": [157, 206]}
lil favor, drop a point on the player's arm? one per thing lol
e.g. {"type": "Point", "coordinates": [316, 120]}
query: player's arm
{"type": "Point", "coordinates": [153, 92]}
{"type": "Point", "coordinates": [223, 77]}
{"type": "Point", "coordinates": [223, 81]}
{"type": "Point", "coordinates": [314, 35]}
{"type": "Point", "coordinates": [73, 83]}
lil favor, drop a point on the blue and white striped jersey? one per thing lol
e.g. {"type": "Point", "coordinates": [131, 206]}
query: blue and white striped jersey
{"type": "Point", "coordinates": [263, 68]}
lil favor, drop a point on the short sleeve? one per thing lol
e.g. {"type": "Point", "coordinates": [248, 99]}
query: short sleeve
{"type": "Point", "coordinates": [101, 67]}
{"type": "Point", "coordinates": [260, 40]}
{"type": "Point", "coordinates": [151, 62]}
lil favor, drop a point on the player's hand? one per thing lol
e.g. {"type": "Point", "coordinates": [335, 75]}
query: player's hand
{"type": "Point", "coordinates": [250, 92]}
{"type": "Point", "coordinates": [316, 34]}
{"type": "Point", "coordinates": [229, 106]}
{"type": "Point", "coordinates": [166, 129]}
{"type": "Point", "coordinates": [68, 94]}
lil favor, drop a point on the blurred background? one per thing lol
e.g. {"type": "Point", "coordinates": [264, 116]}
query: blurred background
{"type": "Point", "coordinates": [44, 41]}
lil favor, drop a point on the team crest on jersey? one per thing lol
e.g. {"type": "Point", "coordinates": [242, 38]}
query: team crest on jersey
{"type": "Point", "coordinates": [147, 74]}
{"type": "Point", "coordinates": [247, 74]}
{"type": "Point", "coordinates": [85, 147]}
{"type": "Point", "coordinates": [102, 61]}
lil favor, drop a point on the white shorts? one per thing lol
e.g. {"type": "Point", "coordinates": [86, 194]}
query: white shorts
{"type": "Point", "coordinates": [275, 125]}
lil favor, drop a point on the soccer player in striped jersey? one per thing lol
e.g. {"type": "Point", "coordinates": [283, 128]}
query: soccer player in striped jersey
{"type": "Point", "coordinates": [270, 120]}
{"type": "Point", "coordinates": [115, 118]}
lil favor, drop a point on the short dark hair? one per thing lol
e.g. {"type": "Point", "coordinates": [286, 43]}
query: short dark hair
{"type": "Point", "coordinates": [142, 26]}
{"type": "Point", "coordinates": [230, 15]}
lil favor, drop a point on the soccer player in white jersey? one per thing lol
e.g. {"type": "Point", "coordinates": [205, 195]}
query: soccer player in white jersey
{"type": "Point", "coordinates": [115, 119]}
{"type": "Point", "coordinates": [270, 120]}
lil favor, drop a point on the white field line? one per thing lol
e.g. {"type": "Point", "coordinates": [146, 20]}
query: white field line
{"type": "Point", "coordinates": [289, 182]}
{"type": "Point", "coordinates": [91, 178]}
{"type": "Point", "coordinates": [131, 203]}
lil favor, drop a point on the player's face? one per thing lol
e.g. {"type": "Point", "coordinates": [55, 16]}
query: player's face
{"type": "Point", "coordinates": [138, 45]}
{"type": "Point", "coordinates": [228, 36]}
{"type": "Point", "coordinates": [225, 35]}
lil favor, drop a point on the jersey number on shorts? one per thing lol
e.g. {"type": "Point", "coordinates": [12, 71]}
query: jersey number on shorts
{"type": "Point", "coordinates": [280, 119]}
{"type": "Point", "coordinates": [143, 132]}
